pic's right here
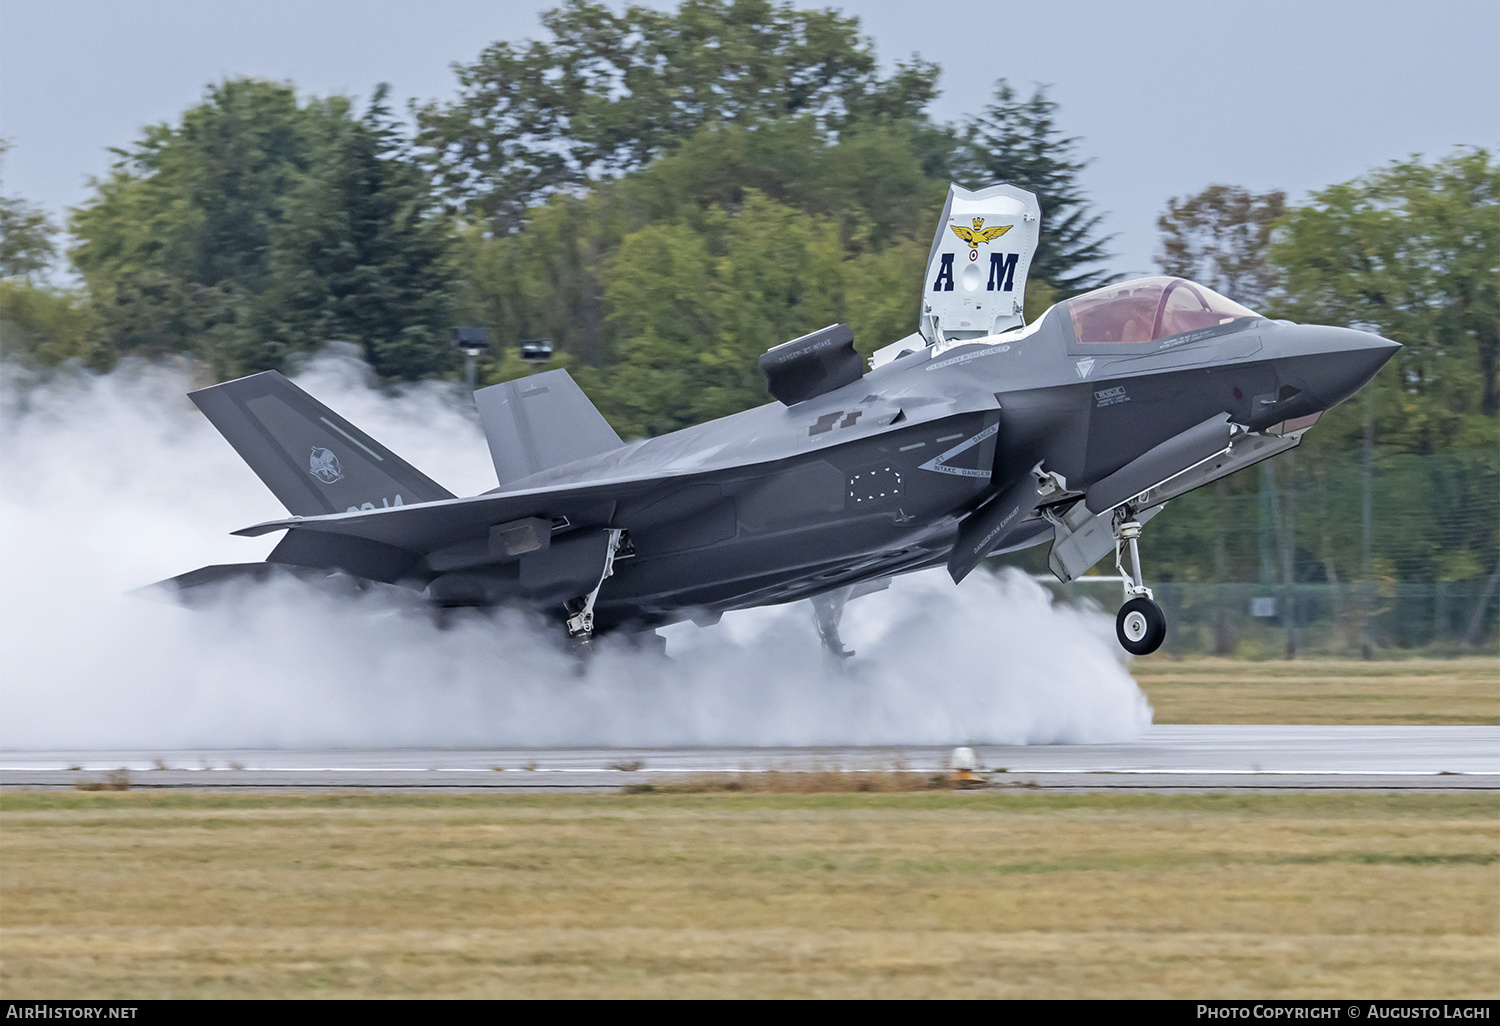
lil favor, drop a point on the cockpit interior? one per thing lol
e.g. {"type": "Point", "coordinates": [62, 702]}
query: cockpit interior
{"type": "Point", "coordinates": [1148, 309]}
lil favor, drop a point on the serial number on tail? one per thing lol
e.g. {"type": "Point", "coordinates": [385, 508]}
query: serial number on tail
{"type": "Point", "coordinates": [384, 504]}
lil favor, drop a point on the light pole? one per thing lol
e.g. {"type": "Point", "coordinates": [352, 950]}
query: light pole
{"type": "Point", "coordinates": [1367, 522]}
{"type": "Point", "coordinates": [472, 341]}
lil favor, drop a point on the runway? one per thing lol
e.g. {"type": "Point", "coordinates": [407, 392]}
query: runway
{"type": "Point", "coordinates": [1165, 758]}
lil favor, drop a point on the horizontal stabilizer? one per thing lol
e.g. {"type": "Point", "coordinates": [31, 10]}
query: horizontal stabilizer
{"type": "Point", "coordinates": [540, 422]}
{"type": "Point", "coordinates": [312, 459]}
{"type": "Point", "coordinates": [358, 556]}
{"type": "Point", "coordinates": [203, 586]}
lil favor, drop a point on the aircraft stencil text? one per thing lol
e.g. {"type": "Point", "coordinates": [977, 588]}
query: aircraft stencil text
{"type": "Point", "coordinates": [384, 504]}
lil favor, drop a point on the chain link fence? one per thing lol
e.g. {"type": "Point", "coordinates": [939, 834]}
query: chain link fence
{"type": "Point", "coordinates": [1257, 621]}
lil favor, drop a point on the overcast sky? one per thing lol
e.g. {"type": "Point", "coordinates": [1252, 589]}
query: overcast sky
{"type": "Point", "coordinates": [1167, 96]}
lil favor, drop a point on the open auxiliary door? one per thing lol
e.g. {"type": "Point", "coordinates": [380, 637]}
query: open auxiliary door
{"type": "Point", "coordinates": [976, 270]}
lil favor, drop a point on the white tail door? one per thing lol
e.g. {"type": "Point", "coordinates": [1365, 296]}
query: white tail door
{"type": "Point", "coordinates": [981, 254]}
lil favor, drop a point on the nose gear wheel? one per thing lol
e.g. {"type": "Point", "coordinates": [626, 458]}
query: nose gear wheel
{"type": "Point", "coordinates": [1140, 626]}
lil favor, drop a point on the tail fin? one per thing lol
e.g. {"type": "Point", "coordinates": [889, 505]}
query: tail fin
{"type": "Point", "coordinates": [540, 422]}
{"type": "Point", "coordinates": [312, 459]}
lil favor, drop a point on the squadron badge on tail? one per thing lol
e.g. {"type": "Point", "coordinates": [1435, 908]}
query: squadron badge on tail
{"type": "Point", "coordinates": [324, 465]}
{"type": "Point", "coordinates": [978, 235]}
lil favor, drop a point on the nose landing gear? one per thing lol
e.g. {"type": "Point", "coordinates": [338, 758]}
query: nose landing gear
{"type": "Point", "coordinates": [1140, 625]}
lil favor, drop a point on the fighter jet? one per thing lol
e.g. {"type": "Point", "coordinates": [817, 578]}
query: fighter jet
{"type": "Point", "coordinates": [978, 434]}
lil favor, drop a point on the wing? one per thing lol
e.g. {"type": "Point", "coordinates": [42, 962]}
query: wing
{"type": "Point", "coordinates": [967, 234]}
{"type": "Point", "coordinates": [419, 528]}
{"type": "Point", "coordinates": [541, 546]}
{"type": "Point", "coordinates": [991, 234]}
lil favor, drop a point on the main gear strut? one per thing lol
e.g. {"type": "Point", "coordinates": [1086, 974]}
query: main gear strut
{"type": "Point", "coordinates": [581, 610]}
{"type": "Point", "coordinates": [828, 610]}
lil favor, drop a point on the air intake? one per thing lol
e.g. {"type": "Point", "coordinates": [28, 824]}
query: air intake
{"type": "Point", "coordinates": [812, 365]}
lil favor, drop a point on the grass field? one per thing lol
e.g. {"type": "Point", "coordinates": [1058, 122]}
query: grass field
{"type": "Point", "coordinates": [928, 894]}
{"type": "Point", "coordinates": [1416, 691]}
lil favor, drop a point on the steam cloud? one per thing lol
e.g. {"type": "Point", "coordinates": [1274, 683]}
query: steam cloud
{"type": "Point", "coordinates": [113, 482]}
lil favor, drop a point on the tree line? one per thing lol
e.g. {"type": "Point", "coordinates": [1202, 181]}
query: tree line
{"type": "Point", "coordinates": [667, 194]}
{"type": "Point", "coordinates": [753, 154]}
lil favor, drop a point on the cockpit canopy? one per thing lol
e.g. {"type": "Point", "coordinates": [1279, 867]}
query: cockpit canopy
{"type": "Point", "coordinates": [1148, 309]}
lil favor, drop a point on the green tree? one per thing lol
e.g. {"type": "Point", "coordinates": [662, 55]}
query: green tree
{"type": "Point", "coordinates": [173, 242]}
{"type": "Point", "coordinates": [1411, 250]}
{"type": "Point", "coordinates": [26, 232]}
{"type": "Point", "coordinates": [50, 325]}
{"type": "Point", "coordinates": [1221, 237]}
{"type": "Point", "coordinates": [608, 93]}
{"type": "Point", "coordinates": [360, 251]}
{"type": "Point", "coordinates": [661, 302]}
{"type": "Point", "coordinates": [871, 179]}
{"type": "Point", "coordinates": [39, 322]}
{"type": "Point", "coordinates": [257, 228]}
{"type": "Point", "coordinates": [544, 282]}
{"type": "Point", "coordinates": [199, 200]}
{"type": "Point", "coordinates": [693, 310]}
{"type": "Point", "coordinates": [553, 277]}
{"type": "Point", "coordinates": [26, 245]}
{"type": "Point", "coordinates": [1017, 141]}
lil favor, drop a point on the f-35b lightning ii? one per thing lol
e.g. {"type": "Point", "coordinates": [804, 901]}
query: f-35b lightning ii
{"type": "Point", "coordinates": [978, 434]}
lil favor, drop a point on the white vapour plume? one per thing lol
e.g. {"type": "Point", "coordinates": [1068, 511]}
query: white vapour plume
{"type": "Point", "coordinates": [113, 482]}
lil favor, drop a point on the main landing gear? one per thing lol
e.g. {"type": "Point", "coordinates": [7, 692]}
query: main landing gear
{"type": "Point", "coordinates": [1140, 625]}
{"type": "Point", "coordinates": [580, 611]}
{"type": "Point", "coordinates": [828, 611]}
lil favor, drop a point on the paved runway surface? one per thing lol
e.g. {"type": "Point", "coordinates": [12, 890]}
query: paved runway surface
{"type": "Point", "coordinates": [1170, 757]}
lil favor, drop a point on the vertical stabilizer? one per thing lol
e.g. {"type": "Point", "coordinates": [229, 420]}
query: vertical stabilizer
{"type": "Point", "coordinates": [981, 254]}
{"type": "Point", "coordinates": [312, 459]}
{"type": "Point", "coordinates": [539, 422]}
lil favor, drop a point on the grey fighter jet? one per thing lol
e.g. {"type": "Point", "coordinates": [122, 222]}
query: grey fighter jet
{"type": "Point", "coordinates": [978, 434]}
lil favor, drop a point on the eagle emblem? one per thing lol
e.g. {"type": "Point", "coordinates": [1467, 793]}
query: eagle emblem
{"type": "Point", "coordinates": [324, 465]}
{"type": "Point", "coordinates": [979, 234]}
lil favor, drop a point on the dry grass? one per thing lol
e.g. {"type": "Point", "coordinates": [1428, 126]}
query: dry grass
{"type": "Point", "coordinates": [1417, 691]}
{"type": "Point", "coordinates": [917, 894]}
{"type": "Point", "coordinates": [114, 780]}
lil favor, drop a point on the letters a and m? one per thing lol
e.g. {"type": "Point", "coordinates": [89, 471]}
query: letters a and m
{"type": "Point", "coordinates": [1002, 273]}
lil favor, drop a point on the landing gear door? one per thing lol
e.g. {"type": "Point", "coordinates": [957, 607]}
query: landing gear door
{"type": "Point", "coordinates": [1081, 538]}
{"type": "Point", "coordinates": [981, 255]}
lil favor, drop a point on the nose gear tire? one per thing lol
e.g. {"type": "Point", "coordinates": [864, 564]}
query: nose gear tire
{"type": "Point", "coordinates": [1140, 626]}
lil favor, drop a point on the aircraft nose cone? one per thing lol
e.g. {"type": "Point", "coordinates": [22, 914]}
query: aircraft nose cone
{"type": "Point", "coordinates": [1362, 363]}
{"type": "Point", "coordinates": [1342, 362]}
{"type": "Point", "coordinates": [1378, 349]}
